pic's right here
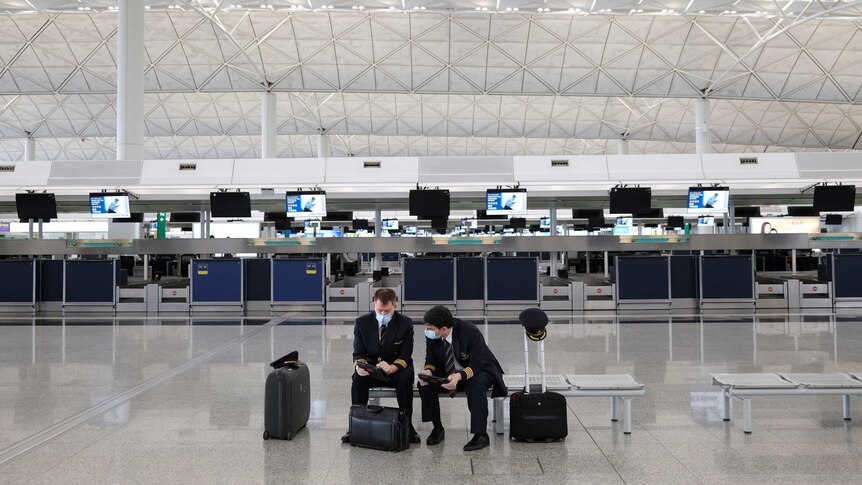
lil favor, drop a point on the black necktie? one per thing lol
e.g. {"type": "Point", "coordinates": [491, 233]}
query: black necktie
{"type": "Point", "coordinates": [382, 332]}
{"type": "Point", "coordinates": [450, 358]}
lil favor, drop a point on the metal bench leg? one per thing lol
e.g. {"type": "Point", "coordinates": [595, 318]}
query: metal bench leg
{"type": "Point", "coordinates": [627, 415]}
{"type": "Point", "coordinates": [614, 414]}
{"type": "Point", "coordinates": [746, 415]}
{"type": "Point", "coordinates": [500, 421]}
{"type": "Point", "coordinates": [846, 399]}
{"type": "Point", "coordinates": [725, 405]}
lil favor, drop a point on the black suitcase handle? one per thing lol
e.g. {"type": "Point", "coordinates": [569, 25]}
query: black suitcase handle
{"type": "Point", "coordinates": [374, 409]}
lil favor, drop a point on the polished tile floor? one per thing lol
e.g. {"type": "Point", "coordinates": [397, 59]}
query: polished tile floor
{"type": "Point", "coordinates": [181, 401]}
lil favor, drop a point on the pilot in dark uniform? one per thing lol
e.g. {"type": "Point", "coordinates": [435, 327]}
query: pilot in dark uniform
{"type": "Point", "coordinates": [384, 338]}
{"type": "Point", "coordinates": [456, 349]}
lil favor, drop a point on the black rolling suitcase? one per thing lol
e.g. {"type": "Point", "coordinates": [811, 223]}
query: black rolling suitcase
{"type": "Point", "coordinates": [287, 401]}
{"type": "Point", "coordinates": [537, 416]}
{"type": "Point", "coordinates": [379, 428]}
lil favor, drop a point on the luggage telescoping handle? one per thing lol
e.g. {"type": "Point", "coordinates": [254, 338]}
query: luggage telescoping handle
{"type": "Point", "coordinates": [527, 364]}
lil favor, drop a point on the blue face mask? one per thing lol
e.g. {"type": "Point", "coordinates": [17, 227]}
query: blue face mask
{"type": "Point", "coordinates": [429, 334]}
{"type": "Point", "coordinates": [383, 319]}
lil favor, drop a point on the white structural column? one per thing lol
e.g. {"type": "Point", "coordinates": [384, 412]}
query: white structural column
{"type": "Point", "coordinates": [622, 147]}
{"type": "Point", "coordinates": [130, 80]}
{"type": "Point", "coordinates": [553, 221]}
{"type": "Point", "coordinates": [702, 136]}
{"type": "Point", "coordinates": [29, 149]}
{"type": "Point", "coordinates": [322, 144]}
{"type": "Point", "coordinates": [268, 127]}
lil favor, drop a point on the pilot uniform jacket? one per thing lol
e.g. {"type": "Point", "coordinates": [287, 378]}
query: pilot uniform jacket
{"type": "Point", "coordinates": [470, 351]}
{"type": "Point", "coordinates": [396, 347]}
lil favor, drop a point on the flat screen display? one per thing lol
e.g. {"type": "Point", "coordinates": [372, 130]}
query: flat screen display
{"type": "Point", "coordinates": [306, 204]}
{"type": "Point", "coordinates": [835, 198]}
{"type": "Point", "coordinates": [784, 225]}
{"type": "Point", "coordinates": [708, 199]}
{"type": "Point", "coordinates": [185, 217]}
{"type": "Point", "coordinates": [109, 206]}
{"type": "Point", "coordinates": [834, 219]}
{"type": "Point", "coordinates": [410, 230]}
{"type": "Point", "coordinates": [624, 221]}
{"type": "Point", "coordinates": [706, 221]}
{"type": "Point", "coordinates": [389, 224]}
{"type": "Point", "coordinates": [230, 204]}
{"type": "Point", "coordinates": [518, 223]}
{"type": "Point", "coordinates": [429, 203]}
{"type": "Point", "coordinates": [36, 206]}
{"type": "Point", "coordinates": [545, 223]}
{"type": "Point", "coordinates": [675, 221]}
{"type": "Point", "coordinates": [630, 200]}
{"type": "Point", "coordinates": [750, 211]}
{"type": "Point", "coordinates": [509, 202]}
{"type": "Point", "coordinates": [360, 224]}
{"type": "Point", "coordinates": [802, 210]}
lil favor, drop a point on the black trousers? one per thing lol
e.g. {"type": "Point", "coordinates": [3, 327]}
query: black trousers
{"type": "Point", "coordinates": [477, 401]}
{"type": "Point", "coordinates": [402, 381]}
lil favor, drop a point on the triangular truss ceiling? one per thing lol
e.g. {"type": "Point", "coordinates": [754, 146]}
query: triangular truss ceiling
{"type": "Point", "coordinates": [417, 78]}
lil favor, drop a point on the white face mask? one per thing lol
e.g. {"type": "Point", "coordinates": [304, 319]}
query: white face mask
{"type": "Point", "coordinates": [382, 319]}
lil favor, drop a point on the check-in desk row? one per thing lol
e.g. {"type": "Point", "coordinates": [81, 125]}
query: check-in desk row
{"type": "Point", "coordinates": [730, 281]}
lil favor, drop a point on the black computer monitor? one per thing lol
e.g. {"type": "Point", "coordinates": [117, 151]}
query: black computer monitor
{"type": "Point", "coordinates": [651, 213]}
{"type": "Point", "coordinates": [751, 211]}
{"type": "Point", "coordinates": [518, 223]}
{"type": "Point", "coordinates": [836, 198]}
{"type": "Point", "coordinates": [596, 223]}
{"type": "Point", "coordinates": [275, 216]}
{"type": "Point", "coordinates": [338, 216]}
{"type": "Point", "coordinates": [586, 213]}
{"type": "Point", "coordinates": [360, 224]}
{"type": "Point", "coordinates": [630, 200]}
{"type": "Point", "coordinates": [36, 206]}
{"type": "Point", "coordinates": [230, 204]}
{"type": "Point", "coordinates": [834, 219]}
{"type": "Point", "coordinates": [185, 217]}
{"type": "Point", "coordinates": [429, 203]}
{"type": "Point", "coordinates": [282, 224]}
{"type": "Point", "coordinates": [134, 217]}
{"type": "Point", "coordinates": [802, 211]}
{"type": "Point", "coordinates": [676, 222]}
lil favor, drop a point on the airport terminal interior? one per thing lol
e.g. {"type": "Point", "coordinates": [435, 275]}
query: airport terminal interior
{"type": "Point", "coordinates": [208, 209]}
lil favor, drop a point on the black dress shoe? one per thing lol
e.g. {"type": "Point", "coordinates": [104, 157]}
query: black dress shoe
{"type": "Point", "coordinates": [478, 442]}
{"type": "Point", "coordinates": [414, 436]}
{"type": "Point", "coordinates": [437, 435]}
{"type": "Point", "coordinates": [346, 437]}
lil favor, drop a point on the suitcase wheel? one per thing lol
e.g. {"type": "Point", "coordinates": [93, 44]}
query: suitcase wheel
{"type": "Point", "coordinates": [266, 435]}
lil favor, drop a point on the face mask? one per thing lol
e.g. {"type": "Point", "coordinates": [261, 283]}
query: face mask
{"type": "Point", "coordinates": [383, 319]}
{"type": "Point", "coordinates": [429, 334]}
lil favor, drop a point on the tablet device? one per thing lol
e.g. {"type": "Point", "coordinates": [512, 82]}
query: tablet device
{"type": "Point", "coordinates": [373, 371]}
{"type": "Point", "coordinates": [433, 379]}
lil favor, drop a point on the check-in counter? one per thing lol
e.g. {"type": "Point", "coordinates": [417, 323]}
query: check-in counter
{"type": "Point", "coordinates": [391, 282]}
{"type": "Point", "coordinates": [470, 284]}
{"type": "Point", "coordinates": [772, 293]}
{"type": "Point", "coordinates": [727, 282]}
{"type": "Point", "coordinates": [557, 294]}
{"type": "Point", "coordinates": [846, 280]}
{"type": "Point", "coordinates": [90, 285]}
{"type": "Point", "coordinates": [298, 285]}
{"type": "Point", "coordinates": [346, 294]}
{"type": "Point", "coordinates": [598, 292]}
{"type": "Point", "coordinates": [643, 282]}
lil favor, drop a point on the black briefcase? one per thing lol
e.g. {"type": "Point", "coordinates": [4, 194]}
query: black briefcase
{"type": "Point", "coordinates": [287, 400]}
{"type": "Point", "coordinates": [537, 416]}
{"type": "Point", "coordinates": [379, 428]}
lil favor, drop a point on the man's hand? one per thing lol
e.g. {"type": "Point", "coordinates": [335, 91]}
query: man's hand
{"type": "Point", "coordinates": [453, 382]}
{"type": "Point", "coordinates": [426, 372]}
{"type": "Point", "coordinates": [361, 372]}
{"type": "Point", "coordinates": [386, 367]}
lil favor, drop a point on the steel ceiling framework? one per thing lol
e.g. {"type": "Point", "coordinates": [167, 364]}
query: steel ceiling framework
{"type": "Point", "coordinates": [446, 80]}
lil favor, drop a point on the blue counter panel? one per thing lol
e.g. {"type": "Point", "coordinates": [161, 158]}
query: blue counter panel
{"type": "Point", "coordinates": [216, 280]}
{"type": "Point", "coordinates": [643, 278]}
{"type": "Point", "coordinates": [727, 277]}
{"type": "Point", "coordinates": [299, 280]}
{"type": "Point", "coordinates": [429, 279]}
{"type": "Point", "coordinates": [847, 272]}
{"type": "Point", "coordinates": [471, 278]}
{"type": "Point", "coordinates": [90, 281]}
{"type": "Point", "coordinates": [17, 281]}
{"type": "Point", "coordinates": [512, 279]}
{"type": "Point", "coordinates": [51, 280]}
{"type": "Point", "coordinates": [258, 279]}
{"type": "Point", "coordinates": [683, 277]}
